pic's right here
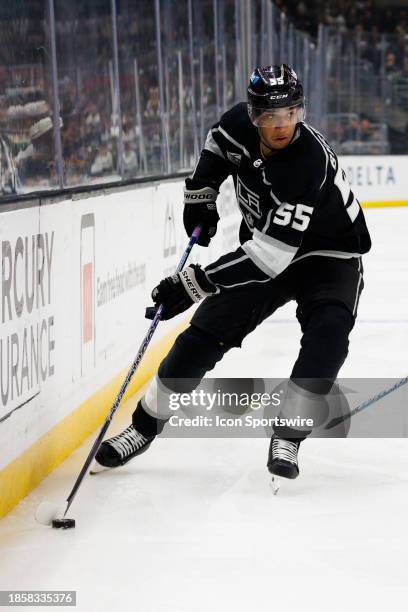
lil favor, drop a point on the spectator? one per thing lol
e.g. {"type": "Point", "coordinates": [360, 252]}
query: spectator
{"type": "Point", "coordinates": [129, 159]}
{"type": "Point", "coordinates": [404, 73]}
{"type": "Point", "coordinates": [303, 18]}
{"type": "Point", "coordinates": [353, 130]}
{"type": "Point", "coordinates": [93, 118]}
{"type": "Point", "coordinates": [35, 164]}
{"type": "Point", "coordinates": [103, 163]}
{"type": "Point", "coordinates": [391, 68]}
{"type": "Point", "coordinates": [365, 133]}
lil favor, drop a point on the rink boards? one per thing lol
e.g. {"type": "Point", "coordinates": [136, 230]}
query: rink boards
{"type": "Point", "coordinates": [76, 276]}
{"type": "Point", "coordinates": [378, 180]}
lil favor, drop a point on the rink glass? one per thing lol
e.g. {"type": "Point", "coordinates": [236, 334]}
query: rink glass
{"type": "Point", "coordinates": [126, 89]}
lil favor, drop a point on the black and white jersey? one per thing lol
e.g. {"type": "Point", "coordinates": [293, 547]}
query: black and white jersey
{"type": "Point", "coordinates": [295, 204]}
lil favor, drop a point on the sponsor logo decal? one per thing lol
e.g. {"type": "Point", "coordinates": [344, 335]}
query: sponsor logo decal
{"type": "Point", "coordinates": [279, 97]}
{"type": "Point", "coordinates": [189, 284]}
{"type": "Point", "coordinates": [27, 341]}
{"type": "Point", "coordinates": [189, 195]}
{"type": "Point", "coordinates": [87, 280]}
{"type": "Point", "coordinates": [87, 277]}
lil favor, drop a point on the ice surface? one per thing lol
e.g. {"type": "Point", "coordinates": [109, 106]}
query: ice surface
{"type": "Point", "coordinates": [47, 511]}
{"type": "Point", "coordinates": [192, 525]}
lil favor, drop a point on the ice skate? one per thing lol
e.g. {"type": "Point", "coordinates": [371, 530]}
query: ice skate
{"type": "Point", "coordinates": [282, 460]}
{"type": "Point", "coordinates": [120, 449]}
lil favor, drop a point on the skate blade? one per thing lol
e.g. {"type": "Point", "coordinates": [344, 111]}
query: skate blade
{"type": "Point", "coordinates": [275, 484]}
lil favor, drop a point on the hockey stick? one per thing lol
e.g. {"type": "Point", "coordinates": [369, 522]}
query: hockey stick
{"type": "Point", "coordinates": [367, 403]}
{"type": "Point", "coordinates": [47, 512]}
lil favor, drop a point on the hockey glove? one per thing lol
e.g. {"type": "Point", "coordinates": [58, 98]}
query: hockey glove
{"type": "Point", "coordinates": [200, 208]}
{"type": "Point", "coordinates": [178, 292]}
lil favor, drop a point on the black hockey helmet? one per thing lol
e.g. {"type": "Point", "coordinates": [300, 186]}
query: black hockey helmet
{"type": "Point", "coordinates": [271, 88]}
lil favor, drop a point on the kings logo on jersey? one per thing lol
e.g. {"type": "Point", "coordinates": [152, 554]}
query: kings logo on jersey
{"type": "Point", "coordinates": [248, 199]}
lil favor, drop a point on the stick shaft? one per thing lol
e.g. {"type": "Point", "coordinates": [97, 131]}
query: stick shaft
{"type": "Point", "coordinates": [142, 349]}
{"type": "Point", "coordinates": [367, 403]}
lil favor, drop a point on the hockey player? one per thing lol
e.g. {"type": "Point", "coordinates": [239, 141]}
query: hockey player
{"type": "Point", "coordinates": [302, 236]}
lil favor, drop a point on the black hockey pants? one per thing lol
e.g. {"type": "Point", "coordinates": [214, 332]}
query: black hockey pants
{"type": "Point", "coordinates": [327, 292]}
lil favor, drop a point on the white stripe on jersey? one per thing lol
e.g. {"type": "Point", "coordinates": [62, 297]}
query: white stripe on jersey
{"type": "Point", "coordinates": [336, 254]}
{"type": "Point", "coordinates": [211, 145]}
{"type": "Point", "coordinates": [268, 240]}
{"type": "Point", "coordinates": [266, 280]}
{"type": "Point", "coordinates": [342, 185]}
{"type": "Point", "coordinates": [358, 288]}
{"type": "Point", "coordinates": [231, 139]}
{"type": "Point", "coordinates": [353, 210]}
{"type": "Point", "coordinates": [226, 265]}
{"type": "Point", "coordinates": [271, 257]}
{"type": "Point", "coordinates": [268, 221]}
{"type": "Point", "coordinates": [250, 248]}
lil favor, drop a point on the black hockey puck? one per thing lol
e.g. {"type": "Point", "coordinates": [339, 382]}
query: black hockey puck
{"type": "Point", "coordinates": [64, 523]}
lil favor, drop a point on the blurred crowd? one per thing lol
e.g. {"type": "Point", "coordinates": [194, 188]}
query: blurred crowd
{"type": "Point", "coordinates": [351, 15]}
{"type": "Point", "coordinates": [361, 17]}
{"type": "Point", "coordinates": [93, 131]}
{"type": "Point", "coordinates": [379, 35]}
{"type": "Point", "coordinates": [99, 143]}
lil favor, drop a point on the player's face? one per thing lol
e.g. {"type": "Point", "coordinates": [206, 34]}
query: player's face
{"type": "Point", "coordinates": [276, 128]}
{"type": "Point", "coordinates": [277, 137]}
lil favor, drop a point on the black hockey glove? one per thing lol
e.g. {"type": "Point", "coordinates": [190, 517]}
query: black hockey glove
{"type": "Point", "coordinates": [200, 208]}
{"type": "Point", "coordinates": [180, 291]}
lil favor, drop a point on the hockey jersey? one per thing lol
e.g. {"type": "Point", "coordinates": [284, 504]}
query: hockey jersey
{"type": "Point", "coordinates": [294, 204]}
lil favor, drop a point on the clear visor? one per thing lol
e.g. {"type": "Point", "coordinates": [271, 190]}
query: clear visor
{"type": "Point", "coordinates": [279, 117]}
